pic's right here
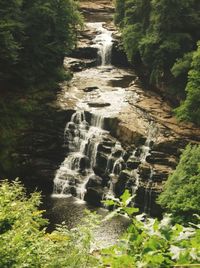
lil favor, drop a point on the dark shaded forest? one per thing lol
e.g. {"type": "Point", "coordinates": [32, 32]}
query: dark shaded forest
{"type": "Point", "coordinates": [162, 37]}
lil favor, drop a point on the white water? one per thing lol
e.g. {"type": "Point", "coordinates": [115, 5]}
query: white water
{"type": "Point", "coordinates": [152, 133]}
{"type": "Point", "coordinates": [82, 141]}
{"type": "Point", "coordinates": [103, 41]}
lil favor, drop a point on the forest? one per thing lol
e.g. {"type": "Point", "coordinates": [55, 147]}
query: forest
{"type": "Point", "coordinates": [35, 36]}
{"type": "Point", "coordinates": [163, 36]}
{"type": "Point", "coordinates": [161, 40]}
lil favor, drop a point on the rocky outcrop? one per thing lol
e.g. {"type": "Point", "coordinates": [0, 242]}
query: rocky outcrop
{"type": "Point", "coordinates": [77, 65]}
{"type": "Point", "coordinates": [85, 52]}
{"type": "Point", "coordinates": [40, 150]}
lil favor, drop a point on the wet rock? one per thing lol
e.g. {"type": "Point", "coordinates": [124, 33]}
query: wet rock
{"type": "Point", "coordinates": [170, 161]}
{"type": "Point", "coordinates": [90, 89]}
{"type": "Point", "coordinates": [133, 163]}
{"type": "Point", "coordinates": [158, 154]}
{"type": "Point", "coordinates": [145, 171]}
{"type": "Point", "coordinates": [146, 199]}
{"type": "Point", "coordinates": [138, 152]}
{"type": "Point", "coordinates": [85, 53]}
{"type": "Point", "coordinates": [94, 181]}
{"type": "Point", "coordinates": [71, 126]}
{"type": "Point", "coordinates": [127, 175]}
{"type": "Point", "coordinates": [104, 149]}
{"type": "Point", "coordinates": [101, 163]}
{"type": "Point", "coordinates": [108, 142]}
{"type": "Point", "coordinates": [77, 65]}
{"type": "Point", "coordinates": [98, 104]}
{"type": "Point", "coordinates": [73, 191]}
{"type": "Point", "coordinates": [117, 153]}
{"type": "Point", "coordinates": [118, 166]}
{"type": "Point", "coordinates": [125, 181]}
{"type": "Point", "coordinates": [161, 173]}
{"type": "Point", "coordinates": [84, 163]}
{"type": "Point", "coordinates": [111, 124]}
{"type": "Point", "coordinates": [128, 136]}
{"type": "Point", "coordinates": [94, 195]}
{"type": "Point", "coordinates": [170, 147]}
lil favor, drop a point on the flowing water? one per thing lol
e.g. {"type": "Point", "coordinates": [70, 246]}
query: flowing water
{"type": "Point", "coordinates": [93, 156]}
{"type": "Point", "coordinates": [82, 141]}
{"type": "Point", "coordinates": [103, 41]}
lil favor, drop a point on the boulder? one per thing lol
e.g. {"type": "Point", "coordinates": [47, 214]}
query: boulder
{"type": "Point", "coordinates": [94, 195]}
{"type": "Point", "coordinates": [101, 163]}
{"type": "Point", "coordinates": [84, 163]}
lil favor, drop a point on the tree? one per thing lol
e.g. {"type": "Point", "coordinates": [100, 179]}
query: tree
{"type": "Point", "coordinates": [35, 36]}
{"type": "Point", "coordinates": [181, 195]}
{"type": "Point", "coordinates": [160, 36]}
{"type": "Point", "coordinates": [190, 108]}
{"type": "Point", "coordinates": [119, 11]}
{"type": "Point", "coordinates": [11, 34]}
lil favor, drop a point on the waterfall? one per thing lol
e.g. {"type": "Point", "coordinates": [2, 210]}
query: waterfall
{"type": "Point", "coordinates": [104, 42]}
{"type": "Point", "coordinates": [145, 152]}
{"type": "Point", "coordinates": [147, 196]}
{"type": "Point", "coordinates": [150, 138]}
{"type": "Point", "coordinates": [82, 140]}
{"type": "Point", "coordinates": [89, 146]}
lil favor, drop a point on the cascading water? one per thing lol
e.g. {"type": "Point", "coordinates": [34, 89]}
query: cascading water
{"type": "Point", "coordinates": [82, 141]}
{"type": "Point", "coordinates": [87, 142]}
{"type": "Point", "coordinates": [147, 196]}
{"type": "Point", "coordinates": [145, 152]}
{"type": "Point", "coordinates": [103, 41]}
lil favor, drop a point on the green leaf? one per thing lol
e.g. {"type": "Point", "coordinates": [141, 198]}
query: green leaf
{"type": "Point", "coordinates": [125, 197]}
{"type": "Point", "coordinates": [130, 210]}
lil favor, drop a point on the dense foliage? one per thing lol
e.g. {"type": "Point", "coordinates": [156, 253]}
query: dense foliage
{"type": "Point", "coordinates": [34, 37]}
{"type": "Point", "coordinates": [152, 243]}
{"type": "Point", "coordinates": [181, 195]}
{"type": "Point", "coordinates": [162, 36]}
{"type": "Point", "coordinates": [24, 241]}
{"type": "Point", "coordinates": [23, 238]}
{"type": "Point", "coordinates": [190, 108]}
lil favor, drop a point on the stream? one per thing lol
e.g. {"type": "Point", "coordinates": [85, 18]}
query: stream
{"type": "Point", "coordinates": [99, 163]}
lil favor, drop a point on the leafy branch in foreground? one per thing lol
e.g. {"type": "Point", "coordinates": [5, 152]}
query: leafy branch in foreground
{"type": "Point", "coordinates": [23, 238]}
{"type": "Point", "coordinates": [152, 243]}
{"type": "Point", "coordinates": [24, 241]}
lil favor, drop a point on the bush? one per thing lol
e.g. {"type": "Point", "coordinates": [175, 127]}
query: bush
{"type": "Point", "coordinates": [181, 195]}
{"type": "Point", "coordinates": [190, 108]}
{"type": "Point", "coordinates": [153, 244]}
{"type": "Point", "coordinates": [23, 238]}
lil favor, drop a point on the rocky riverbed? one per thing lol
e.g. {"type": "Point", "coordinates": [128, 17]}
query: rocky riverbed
{"type": "Point", "coordinates": [149, 135]}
